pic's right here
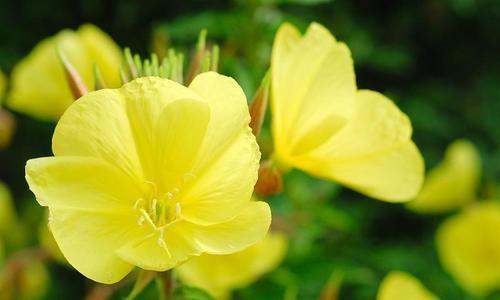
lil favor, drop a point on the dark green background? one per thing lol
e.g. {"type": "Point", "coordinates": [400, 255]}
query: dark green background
{"type": "Point", "coordinates": [438, 60]}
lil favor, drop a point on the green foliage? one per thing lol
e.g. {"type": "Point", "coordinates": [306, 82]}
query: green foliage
{"type": "Point", "coordinates": [438, 60]}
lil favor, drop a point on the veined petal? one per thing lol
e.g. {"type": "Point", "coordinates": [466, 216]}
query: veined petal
{"type": "Point", "coordinates": [226, 187]}
{"type": "Point", "coordinates": [145, 101]}
{"type": "Point", "coordinates": [88, 241]}
{"type": "Point", "coordinates": [97, 126]}
{"type": "Point", "coordinates": [313, 81]}
{"type": "Point", "coordinates": [453, 183]}
{"type": "Point", "coordinates": [119, 125]}
{"type": "Point", "coordinates": [394, 174]}
{"type": "Point", "coordinates": [245, 229]}
{"type": "Point", "coordinates": [228, 115]}
{"type": "Point", "coordinates": [103, 51]}
{"type": "Point", "coordinates": [179, 133]}
{"type": "Point", "coordinates": [372, 153]}
{"type": "Point", "coordinates": [148, 251]}
{"type": "Point", "coordinates": [378, 124]}
{"type": "Point", "coordinates": [83, 183]}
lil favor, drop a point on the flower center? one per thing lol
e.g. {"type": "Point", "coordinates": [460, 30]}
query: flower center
{"type": "Point", "coordinates": [159, 211]}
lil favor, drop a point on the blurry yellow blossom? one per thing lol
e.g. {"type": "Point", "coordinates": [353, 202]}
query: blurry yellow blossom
{"type": "Point", "coordinates": [8, 216]}
{"type": "Point", "coordinates": [150, 175]}
{"type": "Point", "coordinates": [323, 125]}
{"type": "Point", "coordinates": [401, 285]}
{"type": "Point", "coordinates": [220, 274]}
{"type": "Point", "coordinates": [3, 85]}
{"type": "Point", "coordinates": [38, 84]}
{"type": "Point", "coordinates": [468, 245]}
{"type": "Point", "coordinates": [453, 183]}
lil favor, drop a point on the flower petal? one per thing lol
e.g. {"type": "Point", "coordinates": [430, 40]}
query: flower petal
{"type": "Point", "coordinates": [401, 285]}
{"type": "Point", "coordinates": [228, 114]}
{"type": "Point", "coordinates": [146, 252]}
{"type": "Point", "coordinates": [39, 86]}
{"type": "Point", "coordinates": [244, 230]}
{"type": "Point", "coordinates": [118, 125]}
{"type": "Point", "coordinates": [224, 189]}
{"type": "Point", "coordinates": [372, 153]}
{"type": "Point", "coordinates": [87, 240]}
{"type": "Point", "coordinates": [219, 274]}
{"type": "Point", "coordinates": [453, 183]}
{"type": "Point", "coordinates": [80, 183]}
{"type": "Point", "coordinates": [179, 132]}
{"type": "Point", "coordinates": [312, 82]}
{"type": "Point", "coordinates": [393, 175]}
{"type": "Point", "coordinates": [103, 51]}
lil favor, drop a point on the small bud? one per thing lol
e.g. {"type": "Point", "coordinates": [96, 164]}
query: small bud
{"type": "Point", "coordinates": [75, 81]}
{"type": "Point", "coordinates": [7, 127]}
{"type": "Point", "coordinates": [258, 107]}
{"type": "Point", "coordinates": [270, 181]}
{"type": "Point", "coordinates": [332, 287]}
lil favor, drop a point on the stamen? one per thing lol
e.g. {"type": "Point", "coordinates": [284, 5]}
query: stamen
{"type": "Point", "coordinates": [137, 203]}
{"type": "Point", "coordinates": [169, 195]}
{"type": "Point", "coordinates": [148, 218]}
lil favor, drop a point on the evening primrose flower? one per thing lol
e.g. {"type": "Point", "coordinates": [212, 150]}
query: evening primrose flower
{"type": "Point", "coordinates": [323, 125]}
{"type": "Point", "coordinates": [219, 274]}
{"type": "Point", "coordinates": [399, 285]}
{"type": "Point", "coordinates": [151, 174]}
{"type": "Point", "coordinates": [38, 84]}
{"type": "Point", "coordinates": [3, 85]}
{"type": "Point", "coordinates": [453, 183]}
{"type": "Point", "coordinates": [468, 245]}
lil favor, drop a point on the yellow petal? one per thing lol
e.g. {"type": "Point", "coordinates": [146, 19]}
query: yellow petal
{"type": "Point", "coordinates": [400, 285]}
{"type": "Point", "coordinates": [219, 274]}
{"type": "Point", "coordinates": [372, 154]}
{"type": "Point", "coordinates": [80, 183]}
{"type": "Point", "coordinates": [245, 229]}
{"type": "Point", "coordinates": [469, 247]}
{"type": "Point", "coordinates": [146, 252]}
{"type": "Point", "coordinates": [39, 87]}
{"type": "Point", "coordinates": [102, 51]}
{"type": "Point", "coordinates": [180, 132]}
{"type": "Point", "coordinates": [3, 84]}
{"type": "Point", "coordinates": [226, 186]}
{"type": "Point", "coordinates": [313, 81]}
{"type": "Point", "coordinates": [453, 183]}
{"type": "Point", "coordinates": [88, 241]}
{"type": "Point", "coordinates": [229, 115]}
{"type": "Point", "coordinates": [119, 125]}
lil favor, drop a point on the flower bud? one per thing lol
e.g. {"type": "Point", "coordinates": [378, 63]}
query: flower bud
{"type": "Point", "coordinates": [270, 181]}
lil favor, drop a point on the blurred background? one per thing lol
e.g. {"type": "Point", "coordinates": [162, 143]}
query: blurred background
{"type": "Point", "coordinates": [437, 59]}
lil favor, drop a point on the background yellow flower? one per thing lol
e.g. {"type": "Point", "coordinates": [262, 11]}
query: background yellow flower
{"type": "Point", "coordinates": [38, 84]}
{"type": "Point", "coordinates": [220, 274]}
{"type": "Point", "coordinates": [399, 285]}
{"type": "Point", "coordinates": [468, 245]}
{"type": "Point", "coordinates": [323, 125]}
{"type": "Point", "coordinates": [151, 174]}
{"type": "Point", "coordinates": [453, 183]}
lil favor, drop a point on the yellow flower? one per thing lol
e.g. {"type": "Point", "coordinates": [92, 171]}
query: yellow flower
{"type": "Point", "coordinates": [39, 87]}
{"type": "Point", "coordinates": [468, 245]}
{"type": "Point", "coordinates": [219, 274]}
{"type": "Point", "coordinates": [151, 174]}
{"type": "Point", "coordinates": [453, 183]}
{"type": "Point", "coordinates": [401, 285]}
{"type": "Point", "coordinates": [3, 85]}
{"type": "Point", "coordinates": [323, 125]}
